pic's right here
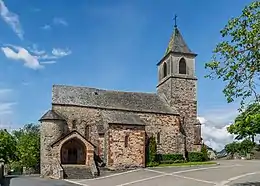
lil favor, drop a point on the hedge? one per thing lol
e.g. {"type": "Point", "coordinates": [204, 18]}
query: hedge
{"type": "Point", "coordinates": [170, 158]}
{"type": "Point", "coordinates": [196, 156]}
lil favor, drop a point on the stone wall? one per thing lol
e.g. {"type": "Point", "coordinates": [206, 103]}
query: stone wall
{"type": "Point", "coordinates": [185, 99]}
{"type": "Point", "coordinates": [180, 93]}
{"type": "Point", "coordinates": [50, 132]}
{"type": "Point", "coordinates": [167, 128]}
{"type": "Point", "coordinates": [167, 125]}
{"type": "Point", "coordinates": [56, 149]}
{"type": "Point", "coordinates": [83, 118]}
{"type": "Point", "coordinates": [126, 146]}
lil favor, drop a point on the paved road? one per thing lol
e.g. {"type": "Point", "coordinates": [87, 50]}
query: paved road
{"type": "Point", "coordinates": [232, 173]}
{"type": "Point", "coordinates": [34, 181]}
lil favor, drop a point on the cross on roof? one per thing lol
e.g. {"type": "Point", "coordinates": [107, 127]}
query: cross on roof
{"type": "Point", "coordinates": [175, 21]}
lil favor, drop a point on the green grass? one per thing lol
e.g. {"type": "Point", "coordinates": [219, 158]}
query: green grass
{"type": "Point", "coordinates": [188, 164]}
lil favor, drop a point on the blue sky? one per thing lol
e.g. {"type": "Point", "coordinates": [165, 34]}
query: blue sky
{"type": "Point", "coordinates": [104, 44]}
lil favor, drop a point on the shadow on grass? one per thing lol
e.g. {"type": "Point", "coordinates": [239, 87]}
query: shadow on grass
{"type": "Point", "coordinates": [247, 184]}
{"type": "Point", "coordinates": [6, 180]}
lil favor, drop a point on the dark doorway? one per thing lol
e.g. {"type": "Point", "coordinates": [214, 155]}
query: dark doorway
{"type": "Point", "coordinates": [73, 152]}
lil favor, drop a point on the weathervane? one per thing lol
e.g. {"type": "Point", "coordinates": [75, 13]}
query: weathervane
{"type": "Point", "coordinates": [175, 21]}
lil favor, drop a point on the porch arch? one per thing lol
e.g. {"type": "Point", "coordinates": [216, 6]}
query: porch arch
{"type": "Point", "coordinates": [73, 151]}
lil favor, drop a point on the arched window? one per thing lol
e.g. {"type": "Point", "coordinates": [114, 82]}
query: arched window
{"type": "Point", "coordinates": [164, 70]}
{"type": "Point", "coordinates": [182, 66]}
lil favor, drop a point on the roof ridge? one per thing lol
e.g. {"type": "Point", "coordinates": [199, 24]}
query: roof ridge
{"type": "Point", "coordinates": [103, 89]}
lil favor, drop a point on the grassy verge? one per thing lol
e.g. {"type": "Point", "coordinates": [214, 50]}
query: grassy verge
{"type": "Point", "coordinates": [187, 164]}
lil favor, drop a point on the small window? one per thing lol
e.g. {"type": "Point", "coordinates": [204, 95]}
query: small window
{"type": "Point", "coordinates": [126, 140]}
{"type": "Point", "coordinates": [87, 132]}
{"type": "Point", "coordinates": [164, 70]}
{"type": "Point", "coordinates": [182, 66]}
{"type": "Point", "coordinates": [73, 124]}
{"type": "Point", "coordinates": [158, 138]}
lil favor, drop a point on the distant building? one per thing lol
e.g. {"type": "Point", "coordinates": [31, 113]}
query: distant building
{"type": "Point", "coordinates": [211, 153]}
{"type": "Point", "coordinates": [85, 124]}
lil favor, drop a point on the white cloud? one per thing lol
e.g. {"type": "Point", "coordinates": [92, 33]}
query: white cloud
{"type": "Point", "coordinates": [11, 19]}
{"type": "Point", "coordinates": [34, 49]}
{"type": "Point", "coordinates": [6, 108]}
{"type": "Point", "coordinates": [46, 27]}
{"type": "Point", "coordinates": [48, 62]}
{"type": "Point", "coordinates": [60, 52]}
{"type": "Point", "coordinates": [21, 54]}
{"type": "Point", "coordinates": [4, 91]}
{"type": "Point", "coordinates": [60, 21]}
{"type": "Point", "coordinates": [33, 57]}
{"type": "Point", "coordinates": [215, 136]}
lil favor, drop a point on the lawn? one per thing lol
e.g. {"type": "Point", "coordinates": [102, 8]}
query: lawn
{"type": "Point", "coordinates": [188, 164]}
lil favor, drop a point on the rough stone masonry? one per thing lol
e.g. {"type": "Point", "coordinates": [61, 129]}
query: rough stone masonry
{"type": "Point", "coordinates": [86, 125]}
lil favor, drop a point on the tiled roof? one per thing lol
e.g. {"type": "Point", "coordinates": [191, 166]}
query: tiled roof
{"type": "Point", "coordinates": [109, 99]}
{"type": "Point", "coordinates": [177, 44]}
{"type": "Point", "coordinates": [51, 115]}
{"type": "Point", "coordinates": [112, 117]}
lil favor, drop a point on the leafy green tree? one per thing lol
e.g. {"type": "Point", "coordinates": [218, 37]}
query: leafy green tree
{"type": "Point", "coordinates": [7, 146]}
{"type": "Point", "coordinates": [247, 124]}
{"type": "Point", "coordinates": [236, 58]}
{"type": "Point", "coordinates": [246, 146]}
{"type": "Point", "coordinates": [232, 148]}
{"type": "Point", "coordinates": [28, 145]}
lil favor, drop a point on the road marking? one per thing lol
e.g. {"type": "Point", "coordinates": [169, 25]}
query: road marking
{"type": "Point", "coordinates": [195, 179]}
{"type": "Point", "coordinates": [117, 174]}
{"type": "Point", "coordinates": [145, 179]}
{"type": "Point", "coordinates": [223, 183]}
{"type": "Point", "coordinates": [159, 172]}
{"type": "Point", "coordinates": [75, 182]}
{"type": "Point", "coordinates": [206, 168]}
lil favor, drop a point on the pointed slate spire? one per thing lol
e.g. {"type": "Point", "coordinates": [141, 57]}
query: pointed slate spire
{"type": "Point", "coordinates": [177, 43]}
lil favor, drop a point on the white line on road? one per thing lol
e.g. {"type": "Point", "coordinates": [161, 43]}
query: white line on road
{"type": "Point", "coordinates": [206, 168]}
{"type": "Point", "coordinates": [117, 174]}
{"type": "Point", "coordinates": [223, 183]}
{"type": "Point", "coordinates": [76, 182]}
{"type": "Point", "coordinates": [145, 179]}
{"type": "Point", "coordinates": [159, 172]}
{"type": "Point", "coordinates": [195, 179]}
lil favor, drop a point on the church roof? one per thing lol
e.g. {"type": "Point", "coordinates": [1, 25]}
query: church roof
{"type": "Point", "coordinates": [112, 117]}
{"type": "Point", "coordinates": [51, 115]}
{"type": "Point", "coordinates": [109, 99]}
{"type": "Point", "coordinates": [177, 44]}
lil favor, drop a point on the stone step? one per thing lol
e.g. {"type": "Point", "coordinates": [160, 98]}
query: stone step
{"type": "Point", "coordinates": [77, 172]}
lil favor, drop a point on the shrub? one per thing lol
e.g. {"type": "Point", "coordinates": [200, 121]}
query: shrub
{"type": "Point", "coordinates": [169, 157]}
{"type": "Point", "coordinates": [152, 164]}
{"type": "Point", "coordinates": [204, 151]}
{"type": "Point", "coordinates": [152, 150]}
{"type": "Point", "coordinates": [195, 156]}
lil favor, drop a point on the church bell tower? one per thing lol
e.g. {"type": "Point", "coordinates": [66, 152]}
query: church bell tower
{"type": "Point", "coordinates": [177, 84]}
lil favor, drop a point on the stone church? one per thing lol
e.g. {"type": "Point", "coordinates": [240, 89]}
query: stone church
{"type": "Point", "coordinates": [89, 125]}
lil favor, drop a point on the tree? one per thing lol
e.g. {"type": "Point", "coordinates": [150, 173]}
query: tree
{"type": "Point", "coordinates": [232, 148]}
{"type": "Point", "coordinates": [7, 146]}
{"type": "Point", "coordinates": [236, 60]}
{"type": "Point", "coordinates": [28, 145]}
{"type": "Point", "coordinates": [246, 146]}
{"type": "Point", "coordinates": [247, 123]}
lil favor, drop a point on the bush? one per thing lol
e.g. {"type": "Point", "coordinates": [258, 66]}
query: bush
{"type": "Point", "coordinates": [162, 158]}
{"type": "Point", "coordinates": [152, 164]}
{"type": "Point", "coordinates": [196, 156]}
{"type": "Point", "coordinates": [152, 150]}
{"type": "Point", "coordinates": [204, 151]}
